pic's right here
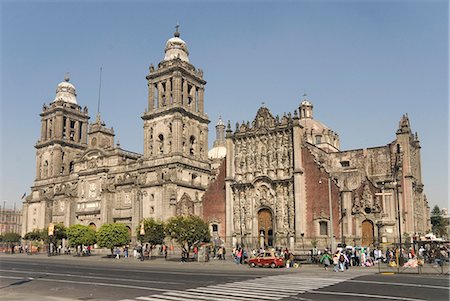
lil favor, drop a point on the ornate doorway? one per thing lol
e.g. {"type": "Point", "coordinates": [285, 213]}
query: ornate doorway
{"type": "Point", "coordinates": [367, 233]}
{"type": "Point", "coordinates": [265, 226]}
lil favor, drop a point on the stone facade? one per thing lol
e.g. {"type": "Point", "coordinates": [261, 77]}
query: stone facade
{"type": "Point", "coordinates": [277, 181]}
{"type": "Point", "coordinates": [83, 177]}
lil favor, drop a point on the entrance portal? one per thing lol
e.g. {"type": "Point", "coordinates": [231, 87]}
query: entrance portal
{"type": "Point", "coordinates": [367, 233]}
{"type": "Point", "coordinates": [265, 226]}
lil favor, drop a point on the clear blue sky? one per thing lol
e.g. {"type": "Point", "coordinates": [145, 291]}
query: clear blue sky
{"type": "Point", "coordinates": [363, 64]}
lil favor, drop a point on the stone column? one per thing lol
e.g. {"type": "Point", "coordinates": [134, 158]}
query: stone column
{"type": "Point", "coordinates": [77, 132]}
{"type": "Point", "coordinates": [299, 181]}
{"type": "Point", "coordinates": [38, 166]}
{"type": "Point", "coordinates": [176, 89]}
{"type": "Point", "coordinates": [58, 126]}
{"type": "Point", "coordinates": [168, 93]}
{"type": "Point", "coordinates": [43, 130]}
{"type": "Point", "coordinates": [48, 128]}
{"type": "Point", "coordinates": [57, 162]}
{"type": "Point", "coordinates": [84, 128]}
{"type": "Point", "coordinates": [25, 218]}
{"type": "Point", "coordinates": [177, 134]}
{"type": "Point", "coordinates": [151, 96]}
{"type": "Point", "coordinates": [201, 95]}
{"type": "Point", "coordinates": [67, 128]}
{"type": "Point", "coordinates": [185, 92]}
{"type": "Point", "coordinates": [347, 206]}
{"type": "Point", "coordinates": [160, 94]}
{"type": "Point", "coordinates": [229, 178]}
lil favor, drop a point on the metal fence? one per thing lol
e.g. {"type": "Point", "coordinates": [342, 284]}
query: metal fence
{"type": "Point", "coordinates": [416, 258]}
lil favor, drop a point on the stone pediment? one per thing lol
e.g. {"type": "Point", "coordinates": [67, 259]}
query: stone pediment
{"type": "Point", "coordinates": [92, 154]}
{"type": "Point", "coordinates": [263, 119]}
{"type": "Point", "coordinates": [365, 200]}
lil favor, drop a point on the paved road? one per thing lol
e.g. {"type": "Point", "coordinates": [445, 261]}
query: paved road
{"type": "Point", "coordinates": [96, 278]}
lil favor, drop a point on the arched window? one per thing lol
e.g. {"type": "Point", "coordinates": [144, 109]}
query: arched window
{"type": "Point", "coordinates": [46, 168]}
{"type": "Point", "coordinates": [323, 228]}
{"type": "Point", "coordinates": [318, 139]}
{"type": "Point", "coordinates": [161, 143]}
{"type": "Point", "coordinates": [192, 146]}
{"type": "Point", "coordinates": [71, 167]}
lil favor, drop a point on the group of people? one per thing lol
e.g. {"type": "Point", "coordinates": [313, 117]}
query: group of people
{"type": "Point", "coordinates": [339, 260]}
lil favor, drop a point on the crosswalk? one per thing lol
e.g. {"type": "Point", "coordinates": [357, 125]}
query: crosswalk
{"type": "Point", "coordinates": [260, 289]}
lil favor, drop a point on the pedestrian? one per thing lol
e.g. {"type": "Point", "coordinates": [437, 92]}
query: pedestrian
{"type": "Point", "coordinates": [117, 253]}
{"type": "Point", "coordinates": [195, 253]}
{"type": "Point", "coordinates": [238, 255]}
{"type": "Point", "coordinates": [336, 261]}
{"type": "Point", "coordinates": [325, 260]}
{"type": "Point", "coordinates": [165, 252]}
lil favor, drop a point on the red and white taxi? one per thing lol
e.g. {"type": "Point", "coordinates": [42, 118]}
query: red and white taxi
{"type": "Point", "coordinates": [266, 260]}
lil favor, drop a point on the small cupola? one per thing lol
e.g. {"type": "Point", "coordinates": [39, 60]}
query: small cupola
{"type": "Point", "coordinates": [306, 108]}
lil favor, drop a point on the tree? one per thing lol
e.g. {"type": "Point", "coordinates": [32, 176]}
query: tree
{"type": "Point", "coordinates": [81, 235]}
{"type": "Point", "coordinates": [11, 238]}
{"type": "Point", "coordinates": [438, 222]}
{"type": "Point", "coordinates": [34, 235]}
{"type": "Point", "coordinates": [188, 231]}
{"type": "Point", "coordinates": [113, 235]}
{"type": "Point", "coordinates": [59, 233]}
{"type": "Point", "coordinates": [154, 232]}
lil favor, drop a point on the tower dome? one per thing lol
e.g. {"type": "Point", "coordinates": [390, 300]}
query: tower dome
{"type": "Point", "coordinates": [66, 92]}
{"type": "Point", "coordinates": [176, 48]}
{"type": "Point", "coordinates": [315, 131]}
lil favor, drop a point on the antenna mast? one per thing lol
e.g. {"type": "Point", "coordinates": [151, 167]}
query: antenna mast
{"type": "Point", "coordinates": [99, 92]}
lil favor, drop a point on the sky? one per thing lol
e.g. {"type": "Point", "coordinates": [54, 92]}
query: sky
{"type": "Point", "coordinates": [363, 64]}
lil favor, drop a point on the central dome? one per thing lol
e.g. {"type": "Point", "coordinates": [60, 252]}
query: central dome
{"type": "Point", "coordinates": [176, 48]}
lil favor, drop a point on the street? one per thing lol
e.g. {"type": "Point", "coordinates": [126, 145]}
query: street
{"type": "Point", "coordinates": [67, 278]}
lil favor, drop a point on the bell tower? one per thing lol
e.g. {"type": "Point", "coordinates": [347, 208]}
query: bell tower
{"type": "Point", "coordinates": [64, 128]}
{"type": "Point", "coordinates": [175, 123]}
{"type": "Point", "coordinates": [176, 128]}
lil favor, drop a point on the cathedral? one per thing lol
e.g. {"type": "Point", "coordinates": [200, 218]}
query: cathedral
{"type": "Point", "coordinates": [272, 181]}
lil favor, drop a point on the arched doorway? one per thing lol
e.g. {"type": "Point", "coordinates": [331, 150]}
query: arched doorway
{"type": "Point", "coordinates": [265, 226]}
{"type": "Point", "coordinates": [93, 226]}
{"type": "Point", "coordinates": [367, 233]}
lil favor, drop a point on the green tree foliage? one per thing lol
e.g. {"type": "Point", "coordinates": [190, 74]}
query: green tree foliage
{"type": "Point", "coordinates": [113, 235]}
{"type": "Point", "coordinates": [34, 235]}
{"type": "Point", "coordinates": [438, 222]}
{"type": "Point", "coordinates": [11, 239]}
{"type": "Point", "coordinates": [188, 231]}
{"type": "Point", "coordinates": [59, 233]}
{"type": "Point", "coordinates": [154, 232]}
{"type": "Point", "coordinates": [81, 235]}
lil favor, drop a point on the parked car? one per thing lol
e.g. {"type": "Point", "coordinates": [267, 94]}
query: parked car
{"type": "Point", "coordinates": [266, 260]}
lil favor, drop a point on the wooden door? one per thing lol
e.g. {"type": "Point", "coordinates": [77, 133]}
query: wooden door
{"type": "Point", "coordinates": [265, 226]}
{"type": "Point", "coordinates": [367, 233]}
